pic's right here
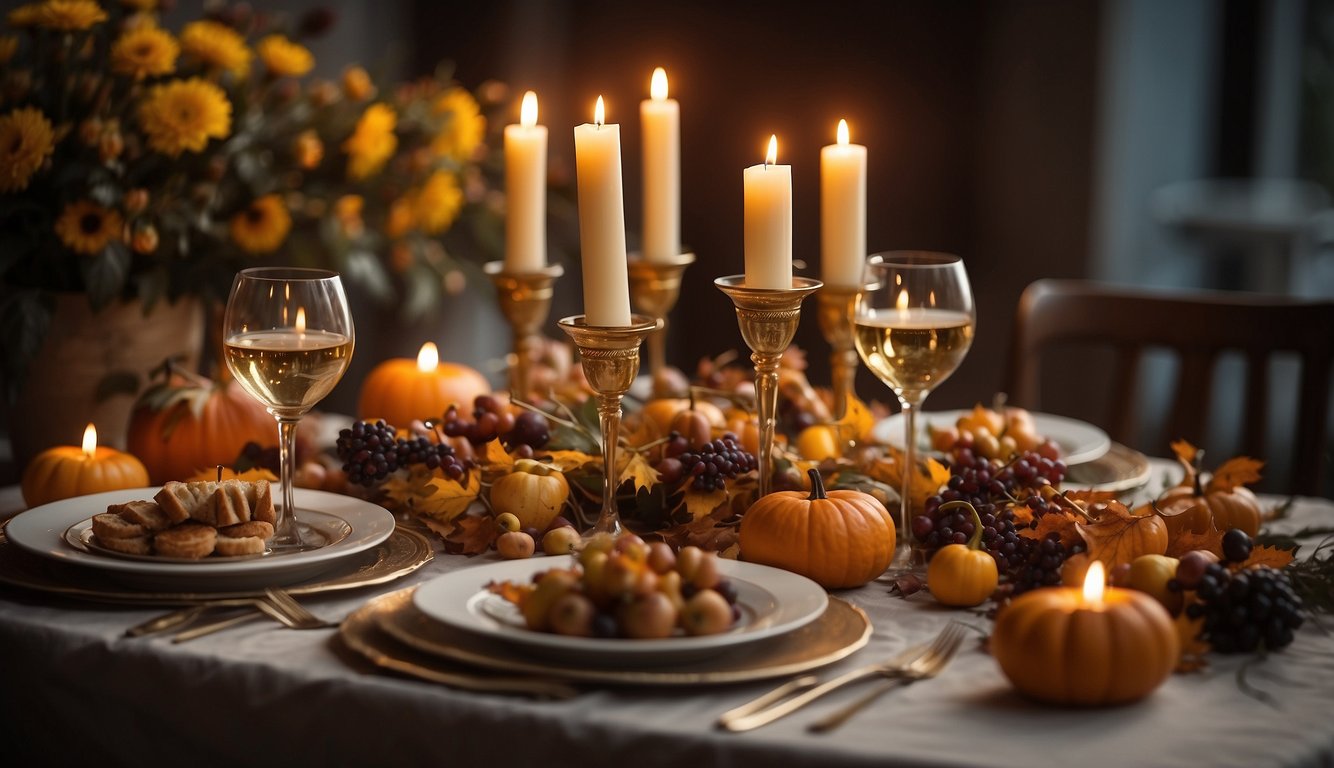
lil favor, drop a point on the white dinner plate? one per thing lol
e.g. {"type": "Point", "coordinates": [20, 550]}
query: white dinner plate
{"type": "Point", "coordinates": [772, 602]}
{"type": "Point", "coordinates": [360, 524]}
{"type": "Point", "coordinates": [1079, 441]}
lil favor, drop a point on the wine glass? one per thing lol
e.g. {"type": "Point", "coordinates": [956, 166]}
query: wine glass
{"type": "Point", "coordinates": [914, 323]}
{"type": "Point", "coordinates": [287, 338]}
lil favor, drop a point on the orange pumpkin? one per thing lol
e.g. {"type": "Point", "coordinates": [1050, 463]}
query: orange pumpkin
{"type": "Point", "coordinates": [66, 471]}
{"type": "Point", "coordinates": [838, 539]}
{"type": "Point", "coordinates": [963, 575]}
{"type": "Point", "coordinates": [663, 410]}
{"type": "Point", "coordinates": [1196, 508]}
{"type": "Point", "coordinates": [188, 423]}
{"type": "Point", "coordinates": [398, 391]}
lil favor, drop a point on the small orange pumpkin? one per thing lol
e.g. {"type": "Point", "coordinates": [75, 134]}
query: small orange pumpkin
{"type": "Point", "coordinates": [66, 471]}
{"type": "Point", "coordinates": [1198, 507]}
{"type": "Point", "coordinates": [963, 575]}
{"type": "Point", "coordinates": [187, 423]}
{"type": "Point", "coordinates": [838, 539]}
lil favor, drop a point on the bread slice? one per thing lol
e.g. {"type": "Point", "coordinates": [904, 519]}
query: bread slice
{"type": "Point", "coordinates": [260, 495]}
{"type": "Point", "coordinates": [189, 540]}
{"type": "Point", "coordinates": [249, 528]}
{"type": "Point", "coordinates": [108, 526]}
{"type": "Point", "coordinates": [149, 514]}
{"type": "Point", "coordinates": [230, 546]}
{"type": "Point", "coordinates": [136, 545]}
{"type": "Point", "coordinates": [230, 504]}
{"type": "Point", "coordinates": [183, 501]}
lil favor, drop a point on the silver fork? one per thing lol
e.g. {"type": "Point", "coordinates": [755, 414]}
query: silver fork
{"type": "Point", "coordinates": [290, 612]}
{"type": "Point", "coordinates": [754, 714]}
{"type": "Point", "coordinates": [926, 666]}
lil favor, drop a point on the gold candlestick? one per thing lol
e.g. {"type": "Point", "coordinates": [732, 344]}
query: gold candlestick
{"type": "Point", "coordinates": [654, 288]}
{"type": "Point", "coordinates": [525, 300]}
{"type": "Point", "coordinates": [768, 318]}
{"type": "Point", "coordinates": [837, 305]}
{"type": "Point", "coordinates": [610, 358]}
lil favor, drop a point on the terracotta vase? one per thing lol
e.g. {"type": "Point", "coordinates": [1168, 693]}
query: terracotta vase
{"type": "Point", "coordinates": [86, 352]}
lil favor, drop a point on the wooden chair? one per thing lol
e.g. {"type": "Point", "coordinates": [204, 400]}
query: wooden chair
{"type": "Point", "coordinates": [1197, 327]}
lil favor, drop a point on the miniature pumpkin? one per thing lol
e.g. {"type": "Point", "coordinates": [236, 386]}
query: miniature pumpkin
{"type": "Point", "coordinates": [532, 491]}
{"type": "Point", "coordinates": [66, 471]}
{"type": "Point", "coordinates": [1192, 506]}
{"type": "Point", "coordinates": [187, 423]}
{"type": "Point", "coordinates": [663, 410]}
{"type": "Point", "coordinates": [838, 539]}
{"type": "Point", "coordinates": [963, 575]}
{"type": "Point", "coordinates": [1054, 645]}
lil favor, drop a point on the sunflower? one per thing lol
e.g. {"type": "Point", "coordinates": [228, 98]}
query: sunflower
{"type": "Point", "coordinates": [69, 15]}
{"type": "Point", "coordinates": [357, 84]}
{"type": "Point", "coordinates": [26, 139]}
{"type": "Point", "coordinates": [283, 57]}
{"type": "Point", "coordinates": [184, 114]}
{"type": "Point", "coordinates": [9, 45]}
{"type": "Point", "coordinates": [371, 142]}
{"type": "Point", "coordinates": [144, 52]}
{"type": "Point", "coordinates": [464, 125]}
{"type": "Point", "coordinates": [86, 227]}
{"type": "Point", "coordinates": [262, 226]}
{"type": "Point", "coordinates": [216, 45]}
{"type": "Point", "coordinates": [438, 203]}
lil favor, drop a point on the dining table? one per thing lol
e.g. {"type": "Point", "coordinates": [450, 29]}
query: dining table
{"type": "Point", "coordinates": [77, 690]}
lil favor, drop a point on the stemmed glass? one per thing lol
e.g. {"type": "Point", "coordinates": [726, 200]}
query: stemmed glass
{"type": "Point", "coordinates": [287, 337]}
{"type": "Point", "coordinates": [914, 323]}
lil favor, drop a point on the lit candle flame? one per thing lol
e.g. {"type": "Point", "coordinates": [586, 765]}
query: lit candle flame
{"type": "Point", "coordinates": [842, 133]}
{"type": "Point", "coordinates": [599, 113]}
{"type": "Point", "coordinates": [90, 441]}
{"type": "Point", "coordinates": [658, 85]}
{"type": "Point", "coordinates": [1094, 583]}
{"type": "Point", "coordinates": [428, 358]}
{"type": "Point", "coordinates": [301, 320]}
{"type": "Point", "coordinates": [528, 110]}
{"type": "Point", "coordinates": [901, 304]}
{"type": "Point", "coordinates": [931, 299]}
{"type": "Point", "coordinates": [771, 157]}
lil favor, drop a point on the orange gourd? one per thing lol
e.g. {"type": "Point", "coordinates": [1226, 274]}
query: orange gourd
{"type": "Point", "coordinates": [838, 539]}
{"type": "Point", "coordinates": [1190, 506]}
{"type": "Point", "coordinates": [188, 423]}
{"type": "Point", "coordinates": [963, 575]}
{"type": "Point", "coordinates": [66, 471]}
{"type": "Point", "coordinates": [1055, 648]}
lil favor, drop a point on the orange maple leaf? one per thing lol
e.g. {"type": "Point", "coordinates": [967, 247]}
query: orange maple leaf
{"type": "Point", "coordinates": [472, 534]}
{"type": "Point", "coordinates": [1119, 537]}
{"type": "Point", "coordinates": [1185, 452]}
{"type": "Point", "coordinates": [1266, 555]}
{"type": "Point", "coordinates": [1187, 540]}
{"type": "Point", "coordinates": [1242, 470]}
{"type": "Point", "coordinates": [1062, 523]}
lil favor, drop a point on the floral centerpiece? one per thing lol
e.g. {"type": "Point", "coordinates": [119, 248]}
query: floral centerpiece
{"type": "Point", "coordinates": [138, 162]}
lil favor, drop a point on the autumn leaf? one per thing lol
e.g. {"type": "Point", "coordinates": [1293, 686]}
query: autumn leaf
{"type": "Point", "coordinates": [906, 584]}
{"type": "Point", "coordinates": [1088, 497]}
{"type": "Point", "coordinates": [510, 591]}
{"type": "Point", "coordinates": [1185, 452]}
{"type": "Point", "coordinates": [1063, 524]}
{"type": "Point", "coordinates": [446, 499]}
{"type": "Point", "coordinates": [640, 472]}
{"type": "Point", "coordinates": [568, 460]}
{"type": "Point", "coordinates": [495, 454]}
{"type": "Point", "coordinates": [1119, 537]}
{"type": "Point", "coordinates": [1270, 556]}
{"type": "Point", "coordinates": [1188, 541]}
{"type": "Point", "coordinates": [1242, 470]}
{"type": "Point", "coordinates": [701, 504]}
{"type": "Point", "coordinates": [926, 482]}
{"type": "Point", "coordinates": [443, 530]}
{"type": "Point", "coordinates": [1023, 516]}
{"type": "Point", "coordinates": [1194, 651]}
{"type": "Point", "coordinates": [472, 535]}
{"type": "Point", "coordinates": [705, 532]}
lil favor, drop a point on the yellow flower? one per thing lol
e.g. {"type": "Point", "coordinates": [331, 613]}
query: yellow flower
{"type": "Point", "coordinates": [216, 45]}
{"type": "Point", "coordinates": [464, 125]}
{"type": "Point", "coordinates": [26, 139]}
{"type": "Point", "coordinates": [86, 227]}
{"type": "Point", "coordinates": [262, 226]}
{"type": "Point", "coordinates": [347, 210]}
{"type": "Point", "coordinates": [144, 52]}
{"type": "Point", "coordinates": [438, 203]}
{"type": "Point", "coordinates": [9, 45]}
{"type": "Point", "coordinates": [68, 15]}
{"type": "Point", "coordinates": [372, 142]}
{"type": "Point", "coordinates": [399, 219]}
{"type": "Point", "coordinates": [184, 114]}
{"type": "Point", "coordinates": [308, 149]}
{"type": "Point", "coordinates": [283, 57]}
{"type": "Point", "coordinates": [357, 84]}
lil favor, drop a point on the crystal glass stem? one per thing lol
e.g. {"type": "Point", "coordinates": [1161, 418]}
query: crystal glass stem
{"type": "Point", "coordinates": [287, 534]}
{"type": "Point", "coordinates": [904, 552]}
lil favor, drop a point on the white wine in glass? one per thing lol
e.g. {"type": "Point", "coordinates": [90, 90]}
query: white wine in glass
{"type": "Point", "coordinates": [914, 324]}
{"type": "Point", "coordinates": [287, 339]}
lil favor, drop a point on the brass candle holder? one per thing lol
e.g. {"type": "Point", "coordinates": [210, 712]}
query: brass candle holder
{"type": "Point", "coordinates": [654, 289]}
{"type": "Point", "coordinates": [610, 358]}
{"type": "Point", "coordinates": [525, 300]}
{"type": "Point", "coordinates": [837, 305]}
{"type": "Point", "coordinates": [768, 318]}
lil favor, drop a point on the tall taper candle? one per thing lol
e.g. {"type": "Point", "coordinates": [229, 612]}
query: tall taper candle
{"type": "Point", "coordinates": [661, 117]}
{"type": "Point", "coordinates": [597, 154]}
{"type": "Point", "coordinates": [526, 191]}
{"type": "Point", "coordinates": [768, 222]}
{"type": "Point", "coordinates": [842, 211]}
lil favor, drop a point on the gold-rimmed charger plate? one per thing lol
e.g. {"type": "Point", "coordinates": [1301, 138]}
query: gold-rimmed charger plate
{"type": "Point", "coordinates": [390, 627]}
{"type": "Point", "coordinates": [1119, 470]}
{"type": "Point", "coordinates": [403, 552]}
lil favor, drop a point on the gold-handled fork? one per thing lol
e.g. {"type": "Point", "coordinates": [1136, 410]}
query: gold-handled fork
{"type": "Point", "coordinates": [290, 612]}
{"type": "Point", "coordinates": [763, 711]}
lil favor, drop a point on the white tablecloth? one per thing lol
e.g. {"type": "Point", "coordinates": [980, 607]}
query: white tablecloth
{"type": "Point", "coordinates": [75, 690]}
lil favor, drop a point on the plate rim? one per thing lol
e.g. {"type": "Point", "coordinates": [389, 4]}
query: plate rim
{"type": "Point", "coordinates": [41, 533]}
{"type": "Point", "coordinates": [1092, 453]}
{"type": "Point", "coordinates": [605, 648]}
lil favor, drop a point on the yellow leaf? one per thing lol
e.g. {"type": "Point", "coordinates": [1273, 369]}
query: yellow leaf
{"type": "Point", "coordinates": [448, 498]}
{"type": "Point", "coordinates": [926, 482]}
{"type": "Point", "coordinates": [1266, 555]}
{"type": "Point", "coordinates": [568, 460]}
{"type": "Point", "coordinates": [1242, 470]}
{"type": "Point", "coordinates": [495, 454]}
{"type": "Point", "coordinates": [639, 471]}
{"type": "Point", "coordinates": [701, 503]}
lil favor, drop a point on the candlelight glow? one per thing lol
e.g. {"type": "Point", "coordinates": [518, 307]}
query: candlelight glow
{"type": "Point", "coordinates": [658, 85]}
{"type": "Point", "coordinates": [1094, 583]}
{"type": "Point", "coordinates": [901, 304]}
{"type": "Point", "coordinates": [528, 110]}
{"type": "Point", "coordinates": [428, 358]}
{"type": "Point", "coordinates": [771, 158]}
{"type": "Point", "coordinates": [301, 320]}
{"type": "Point", "coordinates": [843, 133]}
{"type": "Point", "coordinates": [90, 441]}
{"type": "Point", "coordinates": [599, 113]}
